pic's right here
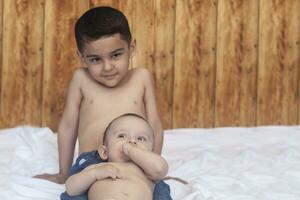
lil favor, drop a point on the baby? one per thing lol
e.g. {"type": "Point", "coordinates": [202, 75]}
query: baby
{"type": "Point", "coordinates": [132, 168]}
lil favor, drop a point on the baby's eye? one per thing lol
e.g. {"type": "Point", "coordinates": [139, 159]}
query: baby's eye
{"type": "Point", "coordinates": [121, 135]}
{"type": "Point", "coordinates": [141, 138]}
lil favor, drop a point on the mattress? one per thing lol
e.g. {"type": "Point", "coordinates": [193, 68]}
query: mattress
{"type": "Point", "coordinates": [256, 163]}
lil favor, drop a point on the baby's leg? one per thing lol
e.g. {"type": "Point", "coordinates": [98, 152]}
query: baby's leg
{"type": "Point", "coordinates": [162, 191]}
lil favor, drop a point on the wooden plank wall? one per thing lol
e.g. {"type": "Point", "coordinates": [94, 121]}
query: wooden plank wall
{"type": "Point", "coordinates": [215, 62]}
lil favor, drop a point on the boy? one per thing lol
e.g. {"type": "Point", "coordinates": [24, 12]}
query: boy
{"type": "Point", "coordinates": [102, 90]}
{"type": "Point", "coordinates": [132, 167]}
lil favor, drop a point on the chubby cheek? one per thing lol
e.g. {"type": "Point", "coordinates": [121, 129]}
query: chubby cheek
{"type": "Point", "coordinates": [115, 150]}
{"type": "Point", "coordinates": [123, 66]}
{"type": "Point", "coordinates": [145, 147]}
{"type": "Point", "coordinates": [94, 70]}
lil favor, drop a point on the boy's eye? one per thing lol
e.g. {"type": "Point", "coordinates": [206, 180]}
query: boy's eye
{"type": "Point", "coordinates": [116, 55]}
{"type": "Point", "coordinates": [94, 60]}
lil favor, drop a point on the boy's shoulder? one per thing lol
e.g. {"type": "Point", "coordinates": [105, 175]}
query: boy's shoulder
{"type": "Point", "coordinates": [80, 72]}
{"type": "Point", "coordinates": [141, 72]}
{"type": "Point", "coordinates": [142, 76]}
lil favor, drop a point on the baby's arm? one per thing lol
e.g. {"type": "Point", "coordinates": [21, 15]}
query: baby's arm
{"type": "Point", "coordinates": [81, 182]}
{"type": "Point", "coordinates": [151, 110]}
{"type": "Point", "coordinates": [154, 165]}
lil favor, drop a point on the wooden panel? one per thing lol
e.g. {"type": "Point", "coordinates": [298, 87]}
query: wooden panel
{"type": "Point", "coordinates": [22, 62]}
{"type": "Point", "coordinates": [163, 58]}
{"type": "Point", "coordinates": [153, 29]}
{"type": "Point", "coordinates": [195, 44]}
{"type": "Point", "coordinates": [278, 62]}
{"type": "Point", "coordinates": [236, 63]}
{"type": "Point", "coordinates": [60, 58]}
{"type": "Point", "coordinates": [111, 3]}
{"type": "Point", "coordinates": [143, 31]}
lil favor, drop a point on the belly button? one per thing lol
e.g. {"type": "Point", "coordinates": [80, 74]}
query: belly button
{"type": "Point", "coordinates": [91, 101]}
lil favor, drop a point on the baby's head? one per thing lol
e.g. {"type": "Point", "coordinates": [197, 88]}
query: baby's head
{"type": "Point", "coordinates": [127, 128]}
{"type": "Point", "coordinates": [99, 22]}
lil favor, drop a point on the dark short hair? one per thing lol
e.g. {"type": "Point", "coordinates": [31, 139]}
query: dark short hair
{"type": "Point", "coordinates": [98, 22]}
{"type": "Point", "coordinates": [124, 115]}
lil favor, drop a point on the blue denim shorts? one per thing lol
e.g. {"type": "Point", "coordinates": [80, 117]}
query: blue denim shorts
{"type": "Point", "coordinates": [161, 190]}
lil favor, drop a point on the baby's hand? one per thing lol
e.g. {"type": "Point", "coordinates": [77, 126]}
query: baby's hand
{"type": "Point", "coordinates": [106, 170]}
{"type": "Point", "coordinates": [126, 147]}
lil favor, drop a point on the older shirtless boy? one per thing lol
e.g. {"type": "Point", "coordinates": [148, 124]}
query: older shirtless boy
{"type": "Point", "coordinates": [132, 167]}
{"type": "Point", "coordinates": [102, 90]}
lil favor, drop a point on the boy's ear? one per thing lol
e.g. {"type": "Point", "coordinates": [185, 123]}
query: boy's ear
{"type": "Point", "coordinates": [102, 151]}
{"type": "Point", "coordinates": [81, 58]}
{"type": "Point", "coordinates": [132, 47]}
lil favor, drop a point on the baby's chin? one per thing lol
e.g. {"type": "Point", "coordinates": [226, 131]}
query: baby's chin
{"type": "Point", "coordinates": [121, 159]}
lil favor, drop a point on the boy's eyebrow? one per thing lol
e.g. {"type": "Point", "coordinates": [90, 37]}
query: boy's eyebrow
{"type": "Point", "coordinates": [120, 49]}
{"type": "Point", "coordinates": [95, 55]}
{"type": "Point", "coordinates": [92, 55]}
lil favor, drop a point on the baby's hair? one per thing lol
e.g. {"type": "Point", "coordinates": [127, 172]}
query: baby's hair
{"type": "Point", "coordinates": [98, 22]}
{"type": "Point", "coordinates": [124, 115]}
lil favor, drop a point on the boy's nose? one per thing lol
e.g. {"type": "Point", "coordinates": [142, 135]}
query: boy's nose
{"type": "Point", "coordinates": [108, 66]}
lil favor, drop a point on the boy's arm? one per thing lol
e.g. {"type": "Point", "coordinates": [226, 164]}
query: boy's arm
{"type": "Point", "coordinates": [67, 131]}
{"type": "Point", "coordinates": [154, 165]}
{"type": "Point", "coordinates": [151, 111]}
{"type": "Point", "coordinates": [68, 127]}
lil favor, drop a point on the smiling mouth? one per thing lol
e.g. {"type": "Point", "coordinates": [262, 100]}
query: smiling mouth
{"type": "Point", "coordinates": [109, 76]}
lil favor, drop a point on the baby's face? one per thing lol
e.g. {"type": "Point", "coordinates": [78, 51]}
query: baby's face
{"type": "Point", "coordinates": [107, 59]}
{"type": "Point", "coordinates": [128, 129]}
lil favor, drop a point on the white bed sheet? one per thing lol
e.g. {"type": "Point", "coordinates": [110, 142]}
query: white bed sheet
{"type": "Point", "coordinates": [261, 163]}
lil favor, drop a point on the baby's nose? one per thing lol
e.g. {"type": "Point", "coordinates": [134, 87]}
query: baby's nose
{"type": "Point", "coordinates": [132, 141]}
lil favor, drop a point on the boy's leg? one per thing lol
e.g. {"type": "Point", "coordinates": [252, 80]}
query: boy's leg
{"type": "Point", "coordinates": [162, 191]}
{"type": "Point", "coordinates": [83, 161]}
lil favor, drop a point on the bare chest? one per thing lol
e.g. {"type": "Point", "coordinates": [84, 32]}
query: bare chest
{"type": "Point", "coordinates": [100, 106]}
{"type": "Point", "coordinates": [99, 103]}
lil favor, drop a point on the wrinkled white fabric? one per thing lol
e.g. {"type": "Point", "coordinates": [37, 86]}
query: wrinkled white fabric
{"type": "Point", "coordinates": [259, 163]}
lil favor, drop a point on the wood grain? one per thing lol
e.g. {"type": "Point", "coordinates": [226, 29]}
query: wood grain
{"type": "Point", "coordinates": [21, 81]}
{"type": "Point", "coordinates": [278, 84]}
{"type": "Point", "coordinates": [163, 58]}
{"type": "Point", "coordinates": [236, 63]}
{"type": "Point", "coordinates": [194, 78]}
{"type": "Point", "coordinates": [60, 57]}
{"type": "Point", "coordinates": [215, 63]}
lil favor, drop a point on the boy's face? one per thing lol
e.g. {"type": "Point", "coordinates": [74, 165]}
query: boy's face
{"type": "Point", "coordinates": [107, 59]}
{"type": "Point", "coordinates": [127, 129]}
